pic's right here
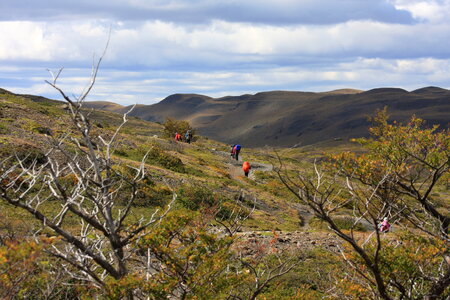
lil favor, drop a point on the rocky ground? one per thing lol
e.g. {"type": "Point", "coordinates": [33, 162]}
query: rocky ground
{"type": "Point", "coordinates": [254, 241]}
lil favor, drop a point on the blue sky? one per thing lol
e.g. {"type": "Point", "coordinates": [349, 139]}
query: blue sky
{"type": "Point", "coordinates": [223, 47]}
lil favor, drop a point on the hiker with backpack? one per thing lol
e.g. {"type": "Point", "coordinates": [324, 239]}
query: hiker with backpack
{"type": "Point", "coordinates": [177, 137]}
{"type": "Point", "coordinates": [235, 151]}
{"type": "Point", "coordinates": [246, 168]}
{"type": "Point", "coordinates": [188, 136]}
{"type": "Point", "coordinates": [384, 226]}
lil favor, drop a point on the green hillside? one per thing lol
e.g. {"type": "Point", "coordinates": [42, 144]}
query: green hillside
{"type": "Point", "coordinates": [297, 228]}
{"type": "Point", "coordinates": [29, 126]}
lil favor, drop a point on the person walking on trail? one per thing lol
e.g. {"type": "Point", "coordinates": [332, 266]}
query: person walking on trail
{"type": "Point", "coordinates": [246, 167]}
{"type": "Point", "coordinates": [237, 149]}
{"type": "Point", "coordinates": [233, 150]}
{"type": "Point", "coordinates": [177, 137]}
{"type": "Point", "coordinates": [385, 226]}
{"type": "Point", "coordinates": [188, 136]}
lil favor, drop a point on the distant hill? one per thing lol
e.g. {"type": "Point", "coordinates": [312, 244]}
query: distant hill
{"type": "Point", "coordinates": [286, 118]}
{"type": "Point", "coordinates": [105, 105]}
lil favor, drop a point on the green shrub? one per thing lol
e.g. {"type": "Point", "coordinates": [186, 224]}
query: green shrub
{"type": "Point", "coordinates": [164, 159]}
{"type": "Point", "coordinates": [196, 197]}
{"type": "Point", "coordinates": [3, 129]}
{"type": "Point", "coordinates": [172, 126]}
{"type": "Point", "coordinates": [121, 152]}
{"type": "Point", "coordinates": [343, 222]}
{"type": "Point", "coordinates": [306, 280]}
{"type": "Point", "coordinates": [152, 196]}
{"type": "Point", "coordinates": [148, 193]}
{"type": "Point", "coordinates": [155, 155]}
{"type": "Point", "coordinates": [347, 223]}
{"type": "Point", "coordinates": [226, 210]}
{"type": "Point", "coordinates": [43, 130]}
{"type": "Point", "coordinates": [25, 152]}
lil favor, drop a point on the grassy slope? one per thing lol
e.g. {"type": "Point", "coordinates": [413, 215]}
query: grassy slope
{"type": "Point", "coordinates": [207, 163]}
{"type": "Point", "coordinates": [24, 124]}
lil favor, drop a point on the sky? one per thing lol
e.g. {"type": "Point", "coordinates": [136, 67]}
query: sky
{"type": "Point", "coordinates": [222, 47]}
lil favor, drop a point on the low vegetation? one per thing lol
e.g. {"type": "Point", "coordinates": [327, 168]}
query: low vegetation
{"type": "Point", "coordinates": [110, 208]}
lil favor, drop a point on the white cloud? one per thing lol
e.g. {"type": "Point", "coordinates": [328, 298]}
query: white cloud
{"type": "Point", "coordinates": [39, 41]}
{"type": "Point", "coordinates": [22, 40]}
{"type": "Point", "coordinates": [434, 11]}
{"type": "Point", "coordinates": [219, 43]}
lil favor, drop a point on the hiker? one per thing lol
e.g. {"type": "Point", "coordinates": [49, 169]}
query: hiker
{"type": "Point", "coordinates": [188, 136]}
{"type": "Point", "coordinates": [236, 149]}
{"type": "Point", "coordinates": [246, 167]}
{"type": "Point", "coordinates": [177, 137]}
{"type": "Point", "coordinates": [233, 150]}
{"type": "Point", "coordinates": [384, 226]}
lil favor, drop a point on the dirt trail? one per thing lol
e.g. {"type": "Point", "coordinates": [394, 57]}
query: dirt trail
{"type": "Point", "coordinates": [236, 172]}
{"type": "Point", "coordinates": [235, 167]}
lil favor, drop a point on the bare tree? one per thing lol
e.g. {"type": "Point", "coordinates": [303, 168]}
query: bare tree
{"type": "Point", "coordinates": [264, 261]}
{"type": "Point", "coordinates": [394, 179]}
{"type": "Point", "coordinates": [76, 194]}
{"type": "Point", "coordinates": [84, 196]}
{"type": "Point", "coordinates": [231, 224]}
{"type": "Point", "coordinates": [324, 197]}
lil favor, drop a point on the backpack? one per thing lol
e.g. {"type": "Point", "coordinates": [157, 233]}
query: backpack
{"type": "Point", "coordinates": [238, 147]}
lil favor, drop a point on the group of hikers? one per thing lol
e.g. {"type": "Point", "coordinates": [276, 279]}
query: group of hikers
{"type": "Point", "coordinates": [235, 149]}
{"type": "Point", "coordinates": [187, 136]}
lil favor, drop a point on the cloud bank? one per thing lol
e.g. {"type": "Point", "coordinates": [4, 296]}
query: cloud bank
{"type": "Point", "coordinates": [275, 12]}
{"type": "Point", "coordinates": [223, 47]}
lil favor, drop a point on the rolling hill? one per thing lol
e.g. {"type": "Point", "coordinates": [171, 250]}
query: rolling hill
{"type": "Point", "coordinates": [287, 118]}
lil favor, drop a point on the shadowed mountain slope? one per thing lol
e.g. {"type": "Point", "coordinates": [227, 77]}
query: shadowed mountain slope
{"type": "Point", "coordinates": [283, 118]}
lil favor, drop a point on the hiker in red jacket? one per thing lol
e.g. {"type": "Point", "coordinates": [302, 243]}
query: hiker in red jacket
{"type": "Point", "coordinates": [246, 167]}
{"type": "Point", "coordinates": [177, 137]}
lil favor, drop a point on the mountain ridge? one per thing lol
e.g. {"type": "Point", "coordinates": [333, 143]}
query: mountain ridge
{"type": "Point", "coordinates": [288, 118]}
